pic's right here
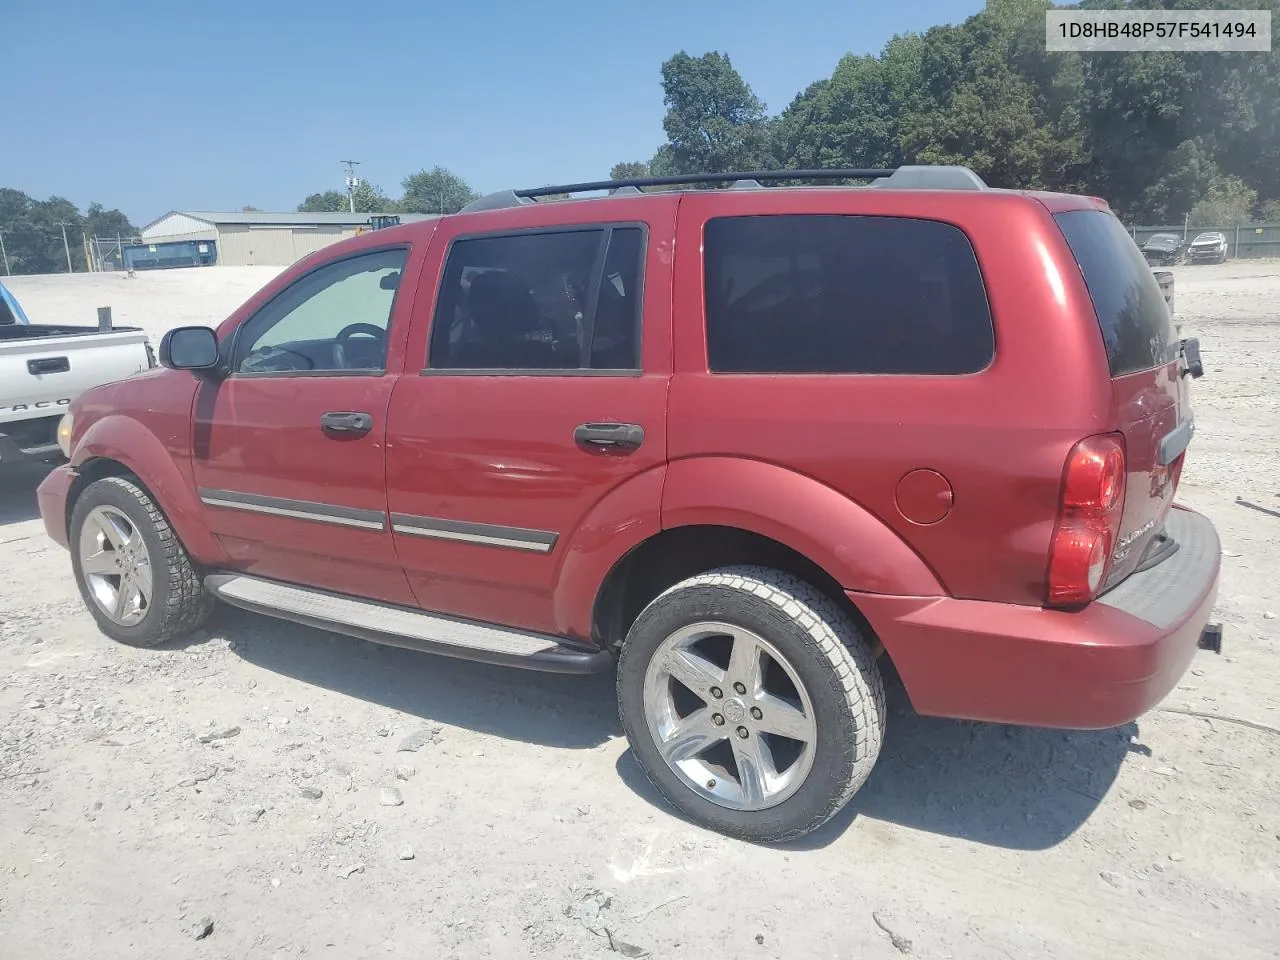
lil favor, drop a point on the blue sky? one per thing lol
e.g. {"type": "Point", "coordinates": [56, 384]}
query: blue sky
{"type": "Point", "coordinates": [215, 104]}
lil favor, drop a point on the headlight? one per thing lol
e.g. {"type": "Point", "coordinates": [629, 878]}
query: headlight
{"type": "Point", "coordinates": [64, 434]}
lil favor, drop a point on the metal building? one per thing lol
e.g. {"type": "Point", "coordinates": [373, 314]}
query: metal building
{"type": "Point", "coordinates": [255, 238]}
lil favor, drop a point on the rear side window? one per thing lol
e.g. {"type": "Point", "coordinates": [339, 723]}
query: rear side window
{"type": "Point", "coordinates": [844, 294]}
{"type": "Point", "coordinates": [1135, 322]}
{"type": "Point", "coordinates": [562, 300]}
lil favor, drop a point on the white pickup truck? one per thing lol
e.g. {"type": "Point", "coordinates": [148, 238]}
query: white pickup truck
{"type": "Point", "coordinates": [44, 367]}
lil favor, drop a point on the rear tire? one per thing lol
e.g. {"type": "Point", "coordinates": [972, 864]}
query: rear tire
{"type": "Point", "coordinates": [699, 735]}
{"type": "Point", "coordinates": [132, 571]}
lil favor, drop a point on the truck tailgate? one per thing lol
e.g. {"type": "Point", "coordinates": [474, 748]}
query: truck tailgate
{"type": "Point", "coordinates": [43, 368]}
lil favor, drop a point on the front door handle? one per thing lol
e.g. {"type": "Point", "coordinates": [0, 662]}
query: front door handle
{"type": "Point", "coordinates": [608, 436]}
{"type": "Point", "coordinates": [346, 423]}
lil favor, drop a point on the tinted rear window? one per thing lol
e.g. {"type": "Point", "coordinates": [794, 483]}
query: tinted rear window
{"type": "Point", "coordinates": [1135, 322]}
{"type": "Point", "coordinates": [844, 294]}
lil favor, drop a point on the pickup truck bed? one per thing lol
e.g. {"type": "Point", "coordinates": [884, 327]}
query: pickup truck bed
{"type": "Point", "coordinates": [43, 367]}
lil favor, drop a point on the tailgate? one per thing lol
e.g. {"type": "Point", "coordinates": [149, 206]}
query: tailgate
{"type": "Point", "coordinates": [41, 375]}
{"type": "Point", "coordinates": [1150, 401]}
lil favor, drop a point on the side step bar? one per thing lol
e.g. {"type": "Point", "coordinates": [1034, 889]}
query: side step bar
{"type": "Point", "coordinates": [406, 627]}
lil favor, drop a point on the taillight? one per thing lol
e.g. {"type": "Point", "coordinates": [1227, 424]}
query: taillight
{"type": "Point", "coordinates": [1088, 520]}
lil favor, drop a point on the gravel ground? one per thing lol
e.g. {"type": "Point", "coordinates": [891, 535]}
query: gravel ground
{"type": "Point", "coordinates": [268, 791]}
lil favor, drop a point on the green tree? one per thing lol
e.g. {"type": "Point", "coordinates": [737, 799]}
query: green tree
{"type": "Point", "coordinates": [33, 233]}
{"type": "Point", "coordinates": [632, 170]}
{"type": "Point", "coordinates": [367, 198]}
{"type": "Point", "coordinates": [101, 222]}
{"type": "Point", "coordinates": [714, 122]}
{"type": "Point", "coordinates": [435, 191]}
{"type": "Point", "coordinates": [1183, 177]}
{"type": "Point", "coordinates": [330, 201]}
{"type": "Point", "coordinates": [1229, 201]}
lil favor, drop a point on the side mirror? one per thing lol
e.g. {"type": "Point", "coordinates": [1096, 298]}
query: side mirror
{"type": "Point", "coordinates": [391, 281]}
{"type": "Point", "coordinates": [189, 348]}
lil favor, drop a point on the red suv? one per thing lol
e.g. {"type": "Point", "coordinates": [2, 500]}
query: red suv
{"type": "Point", "coordinates": [745, 442]}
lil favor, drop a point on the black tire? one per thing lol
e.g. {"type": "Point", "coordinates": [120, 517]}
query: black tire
{"type": "Point", "coordinates": [179, 602]}
{"type": "Point", "coordinates": [828, 653]}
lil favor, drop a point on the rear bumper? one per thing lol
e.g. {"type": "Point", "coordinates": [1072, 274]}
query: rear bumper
{"type": "Point", "coordinates": [1097, 667]}
{"type": "Point", "coordinates": [51, 495]}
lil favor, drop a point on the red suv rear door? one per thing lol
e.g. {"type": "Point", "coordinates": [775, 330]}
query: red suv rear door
{"type": "Point", "coordinates": [538, 400]}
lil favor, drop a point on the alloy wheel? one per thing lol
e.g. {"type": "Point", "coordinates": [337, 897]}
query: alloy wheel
{"type": "Point", "coordinates": [730, 715]}
{"type": "Point", "coordinates": [116, 566]}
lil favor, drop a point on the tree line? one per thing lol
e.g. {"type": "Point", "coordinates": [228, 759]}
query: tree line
{"type": "Point", "coordinates": [428, 191]}
{"type": "Point", "coordinates": [1159, 135]}
{"type": "Point", "coordinates": [31, 232]}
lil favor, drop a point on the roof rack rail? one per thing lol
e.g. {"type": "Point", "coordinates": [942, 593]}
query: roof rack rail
{"type": "Point", "coordinates": [905, 177]}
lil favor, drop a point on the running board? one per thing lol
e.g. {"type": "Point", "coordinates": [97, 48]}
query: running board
{"type": "Point", "coordinates": [406, 627]}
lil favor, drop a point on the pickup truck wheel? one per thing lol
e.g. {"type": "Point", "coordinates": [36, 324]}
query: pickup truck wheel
{"type": "Point", "coordinates": [133, 573]}
{"type": "Point", "coordinates": [751, 702]}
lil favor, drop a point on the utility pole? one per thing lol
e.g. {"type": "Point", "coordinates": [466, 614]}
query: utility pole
{"type": "Point", "coordinates": [5, 255]}
{"type": "Point", "coordinates": [66, 246]}
{"type": "Point", "coordinates": [352, 182]}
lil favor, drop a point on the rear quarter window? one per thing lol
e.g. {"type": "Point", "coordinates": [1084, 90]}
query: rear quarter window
{"type": "Point", "coordinates": [836, 294]}
{"type": "Point", "coordinates": [1136, 326]}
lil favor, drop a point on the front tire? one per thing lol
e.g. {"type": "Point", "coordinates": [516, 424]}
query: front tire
{"type": "Point", "coordinates": [751, 701]}
{"type": "Point", "coordinates": [133, 573]}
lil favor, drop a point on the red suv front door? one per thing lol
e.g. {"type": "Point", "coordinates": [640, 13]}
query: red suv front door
{"type": "Point", "coordinates": [538, 401]}
{"type": "Point", "coordinates": [288, 450]}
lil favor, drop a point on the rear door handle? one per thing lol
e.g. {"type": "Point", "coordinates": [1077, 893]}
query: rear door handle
{"type": "Point", "coordinates": [48, 365]}
{"type": "Point", "coordinates": [609, 436]}
{"type": "Point", "coordinates": [346, 423]}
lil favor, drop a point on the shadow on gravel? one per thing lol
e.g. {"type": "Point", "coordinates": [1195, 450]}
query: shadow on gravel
{"type": "Point", "coordinates": [1016, 787]}
{"type": "Point", "coordinates": [18, 492]}
{"type": "Point", "coordinates": [548, 709]}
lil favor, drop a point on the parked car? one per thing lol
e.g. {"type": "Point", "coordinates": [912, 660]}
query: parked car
{"type": "Point", "coordinates": [744, 442]}
{"type": "Point", "coordinates": [1163, 249]}
{"type": "Point", "coordinates": [44, 367]}
{"type": "Point", "coordinates": [1208, 247]}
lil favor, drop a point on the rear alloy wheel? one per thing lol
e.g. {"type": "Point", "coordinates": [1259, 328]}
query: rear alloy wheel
{"type": "Point", "coordinates": [751, 701]}
{"type": "Point", "coordinates": [757, 706]}
{"type": "Point", "coordinates": [133, 573]}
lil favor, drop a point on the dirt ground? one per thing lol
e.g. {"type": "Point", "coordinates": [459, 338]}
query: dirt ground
{"type": "Point", "coordinates": [242, 779]}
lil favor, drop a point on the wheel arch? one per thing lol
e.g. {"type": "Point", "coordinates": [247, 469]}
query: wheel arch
{"type": "Point", "coordinates": [673, 555]}
{"type": "Point", "coordinates": [121, 446]}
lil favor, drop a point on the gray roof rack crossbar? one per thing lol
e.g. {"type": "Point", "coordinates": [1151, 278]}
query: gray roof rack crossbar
{"type": "Point", "coordinates": [907, 177]}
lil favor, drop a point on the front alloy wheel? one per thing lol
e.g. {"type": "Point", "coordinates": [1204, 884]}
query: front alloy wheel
{"type": "Point", "coordinates": [132, 571]}
{"type": "Point", "coordinates": [116, 566]}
